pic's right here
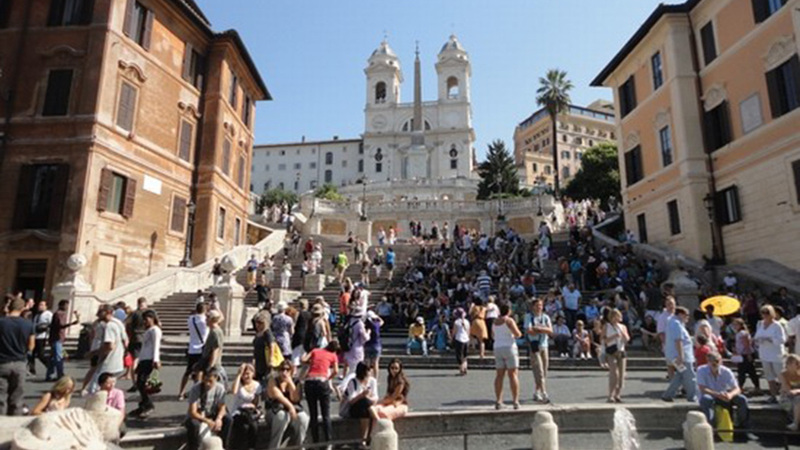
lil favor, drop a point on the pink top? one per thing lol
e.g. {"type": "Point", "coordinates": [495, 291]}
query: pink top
{"type": "Point", "coordinates": [116, 399]}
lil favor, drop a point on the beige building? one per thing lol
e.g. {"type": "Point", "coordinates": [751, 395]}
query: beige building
{"type": "Point", "coordinates": [578, 130]}
{"type": "Point", "coordinates": [119, 117]}
{"type": "Point", "coordinates": [707, 95]}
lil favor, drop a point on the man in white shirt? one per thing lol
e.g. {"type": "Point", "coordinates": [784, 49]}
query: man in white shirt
{"type": "Point", "coordinates": [198, 332]}
{"type": "Point", "coordinates": [572, 301]}
{"type": "Point", "coordinates": [112, 351]}
{"type": "Point", "coordinates": [730, 281]}
{"type": "Point", "coordinates": [41, 326]}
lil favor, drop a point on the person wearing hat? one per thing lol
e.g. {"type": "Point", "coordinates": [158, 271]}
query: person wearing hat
{"type": "Point", "coordinates": [359, 335]}
{"type": "Point", "coordinates": [416, 333]}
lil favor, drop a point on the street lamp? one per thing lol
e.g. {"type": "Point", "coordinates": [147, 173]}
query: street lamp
{"type": "Point", "coordinates": [716, 250]}
{"type": "Point", "coordinates": [537, 190]}
{"type": "Point", "coordinates": [363, 181]}
{"type": "Point", "coordinates": [187, 250]}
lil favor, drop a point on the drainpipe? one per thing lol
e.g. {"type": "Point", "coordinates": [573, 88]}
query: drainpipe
{"type": "Point", "coordinates": [12, 86]}
{"type": "Point", "coordinates": [718, 245]}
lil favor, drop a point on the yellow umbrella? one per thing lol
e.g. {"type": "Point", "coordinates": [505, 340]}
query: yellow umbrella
{"type": "Point", "coordinates": [723, 305]}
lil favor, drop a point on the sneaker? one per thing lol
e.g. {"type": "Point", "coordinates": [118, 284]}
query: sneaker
{"type": "Point", "coordinates": [408, 352]}
{"type": "Point", "coordinates": [146, 413]}
{"type": "Point", "coordinates": [667, 399]}
{"type": "Point", "coordinates": [516, 405]}
{"type": "Point", "coordinates": [545, 398]}
{"type": "Point", "coordinates": [132, 389]}
{"type": "Point", "coordinates": [537, 396]}
{"type": "Point", "coordinates": [772, 400]}
{"type": "Point", "coordinates": [792, 427]}
{"type": "Point", "coordinates": [498, 406]}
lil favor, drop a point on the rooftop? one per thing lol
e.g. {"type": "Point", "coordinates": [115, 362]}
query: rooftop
{"type": "Point", "coordinates": [573, 110]}
{"type": "Point", "coordinates": [303, 143]}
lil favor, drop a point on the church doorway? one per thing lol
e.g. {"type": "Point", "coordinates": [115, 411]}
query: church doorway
{"type": "Point", "coordinates": [30, 278]}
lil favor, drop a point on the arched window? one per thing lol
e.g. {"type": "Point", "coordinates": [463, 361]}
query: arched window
{"type": "Point", "coordinates": [329, 158]}
{"type": "Point", "coordinates": [380, 92]}
{"type": "Point", "coordinates": [453, 157]}
{"type": "Point", "coordinates": [452, 88]}
{"type": "Point", "coordinates": [409, 125]}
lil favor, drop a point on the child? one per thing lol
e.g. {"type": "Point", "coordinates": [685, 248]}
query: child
{"type": "Point", "coordinates": [582, 341]}
{"type": "Point", "coordinates": [701, 350]}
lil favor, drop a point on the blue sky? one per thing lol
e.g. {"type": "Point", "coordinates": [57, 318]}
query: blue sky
{"type": "Point", "coordinates": [312, 53]}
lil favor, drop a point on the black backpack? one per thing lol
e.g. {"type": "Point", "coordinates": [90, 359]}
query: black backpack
{"type": "Point", "coordinates": [344, 334]}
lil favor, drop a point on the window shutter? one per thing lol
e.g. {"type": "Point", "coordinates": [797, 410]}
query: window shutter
{"type": "Point", "coordinates": [793, 79]}
{"type": "Point", "coordinates": [130, 197]}
{"type": "Point", "coordinates": [5, 12]}
{"type": "Point", "coordinates": [130, 21]}
{"type": "Point", "coordinates": [226, 157]}
{"type": "Point", "coordinates": [724, 124]}
{"type": "Point", "coordinates": [760, 10]}
{"type": "Point", "coordinates": [721, 212]}
{"type": "Point", "coordinates": [56, 99]}
{"type": "Point", "coordinates": [187, 63]}
{"type": "Point", "coordinates": [240, 172]}
{"type": "Point", "coordinates": [712, 135]}
{"type": "Point", "coordinates": [148, 29]}
{"type": "Point", "coordinates": [632, 92]}
{"type": "Point", "coordinates": [796, 170]}
{"type": "Point", "coordinates": [187, 135]}
{"type": "Point", "coordinates": [59, 194]}
{"type": "Point", "coordinates": [106, 178]}
{"type": "Point", "coordinates": [178, 214]}
{"type": "Point", "coordinates": [56, 13]}
{"type": "Point", "coordinates": [127, 106]}
{"type": "Point", "coordinates": [24, 196]}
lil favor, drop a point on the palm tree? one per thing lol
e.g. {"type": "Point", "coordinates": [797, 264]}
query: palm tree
{"type": "Point", "coordinates": [553, 95]}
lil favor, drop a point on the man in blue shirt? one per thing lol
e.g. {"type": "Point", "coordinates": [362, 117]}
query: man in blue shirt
{"type": "Point", "coordinates": [679, 352]}
{"type": "Point", "coordinates": [718, 386]}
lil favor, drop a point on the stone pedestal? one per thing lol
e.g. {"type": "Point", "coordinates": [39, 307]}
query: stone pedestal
{"type": "Point", "coordinates": [286, 295]}
{"type": "Point", "coordinates": [247, 318]}
{"type": "Point", "coordinates": [316, 282]}
{"type": "Point", "coordinates": [74, 284]}
{"type": "Point", "coordinates": [231, 304]}
{"type": "Point", "coordinates": [544, 433]}
{"type": "Point", "coordinates": [697, 432]}
{"type": "Point", "coordinates": [364, 230]}
{"type": "Point", "coordinates": [686, 291]}
{"type": "Point", "coordinates": [384, 437]}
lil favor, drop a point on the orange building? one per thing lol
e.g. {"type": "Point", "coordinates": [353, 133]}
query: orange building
{"type": "Point", "coordinates": [119, 118]}
{"type": "Point", "coordinates": [708, 108]}
{"type": "Point", "coordinates": [578, 130]}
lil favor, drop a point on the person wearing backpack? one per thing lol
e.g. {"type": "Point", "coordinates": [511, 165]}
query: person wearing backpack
{"type": "Point", "coordinates": [373, 347]}
{"type": "Point", "coordinates": [352, 337]}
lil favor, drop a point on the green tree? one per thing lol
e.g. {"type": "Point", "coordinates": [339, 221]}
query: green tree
{"type": "Point", "coordinates": [598, 177]}
{"type": "Point", "coordinates": [553, 95]}
{"type": "Point", "coordinates": [329, 192]}
{"type": "Point", "coordinates": [498, 173]}
{"type": "Point", "coordinates": [273, 196]}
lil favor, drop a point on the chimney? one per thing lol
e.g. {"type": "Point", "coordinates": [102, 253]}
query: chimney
{"type": "Point", "coordinates": [336, 138]}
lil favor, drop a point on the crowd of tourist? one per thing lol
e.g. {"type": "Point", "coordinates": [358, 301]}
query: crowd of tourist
{"type": "Point", "coordinates": [463, 292]}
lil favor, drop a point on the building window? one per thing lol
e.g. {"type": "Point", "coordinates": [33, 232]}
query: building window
{"type": "Point", "coordinates": [5, 12]}
{"type": "Point", "coordinates": [247, 111]}
{"type": "Point", "coordinates": [360, 148]}
{"type": "Point", "coordinates": [193, 67]}
{"type": "Point", "coordinates": [627, 96]}
{"type": "Point", "coordinates": [656, 67]}
{"type": "Point", "coordinates": [665, 138]}
{"type": "Point", "coordinates": [126, 108]}
{"type": "Point", "coordinates": [328, 176]}
{"type": "Point", "coordinates": [328, 158]}
{"type": "Point", "coordinates": [378, 167]}
{"type": "Point", "coordinates": [578, 140]}
{"type": "Point", "coordinates": [240, 172]}
{"type": "Point", "coordinates": [535, 168]}
{"type": "Point", "coordinates": [296, 185]}
{"type": "Point", "coordinates": [117, 193]}
{"type": "Point", "coordinates": [796, 174]}
{"type": "Point", "coordinates": [232, 95]}
{"type": "Point", "coordinates": [40, 196]}
{"type": "Point", "coordinates": [565, 172]}
{"type": "Point", "coordinates": [727, 206]}
{"type": "Point", "coordinates": [283, 152]}
{"type": "Point", "coordinates": [762, 9]}
{"type": "Point", "coordinates": [674, 218]}
{"type": "Point", "coordinates": [237, 231]}
{"type": "Point", "coordinates": [266, 167]}
{"type": "Point", "coordinates": [56, 99]}
{"type": "Point", "coordinates": [312, 184]}
{"type": "Point", "coordinates": [186, 140]}
{"type": "Point", "coordinates": [709, 43]}
{"type": "Point", "coordinates": [280, 185]}
{"type": "Point", "coordinates": [281, 167]}
{"type": "Point", "coordinates": [177, 222]}
{"type": "Point", "coordinates": [380, 92]}
{"type": "Point", "coordinates": [564, 138]}
{"type": "Point", "coordinates": [565, 154]}
{"type": "Point", "coordinates": [578, 156]}
{"type": "Point", "coordinates": [267, 185]}
{"type": "Point", "coordinates": [360, 165]}
{"type": "Point", "coordinates": [454, 164]}
{"type": "Point", "coordinates": [68, 12]}
{"type": "Point", "coordinates": [547, 170]}
{"type": "Point", "coordinates": [783, 84]}
{"type": "Point", "coordinates": [221, 223]}
{"type": "Point", "coordinates": [138, 23]}
{"type": "Point", "coordinates": [312, 165]}
{"type": "Point", "coordinates": [226, 157]}
{"type": "Point", "coordinates": [641, 222]}
{"type": "Point", "coordinates": [344, 163]}
{"type": "Point", "coordinates": [298, 166]}
{"type": "Point", "coordinates": [633, 166]}
{"type": "Point", "coordinates": [718, 127]}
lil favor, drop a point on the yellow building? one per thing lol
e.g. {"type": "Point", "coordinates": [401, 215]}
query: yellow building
{"type": "Point", "coordinates": [578, 130]}
{"type": "Point", "coordinates": [707, 96]}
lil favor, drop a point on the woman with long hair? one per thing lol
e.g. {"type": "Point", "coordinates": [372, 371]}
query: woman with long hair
{"type": "Point", "coordinates": [506, 355]}
{"type": "Point", "coordinates": [615, 337]}
{"type": "Point", "coordinates": [57, 398]}
{"type": "Point", "coordinates": [246, 392]}
{"type": "Point", "coordinates": [394, 404]}
{"type": "Point", "coordinates": [478, 330]}
{"type": "Point", "coordinates": [359, 395]}
{"type": "Point", "coordinates": [149, 360]}
{"type": "Point", "coordinates": [744, 354]}
{"type": "Point", "coordinates": [283, 406]}
{"type": "Point", "coordinates": [460, 337]}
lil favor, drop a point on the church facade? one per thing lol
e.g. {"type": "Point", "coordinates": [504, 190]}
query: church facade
{"type": "Point", "coordinates": [403, 143]}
